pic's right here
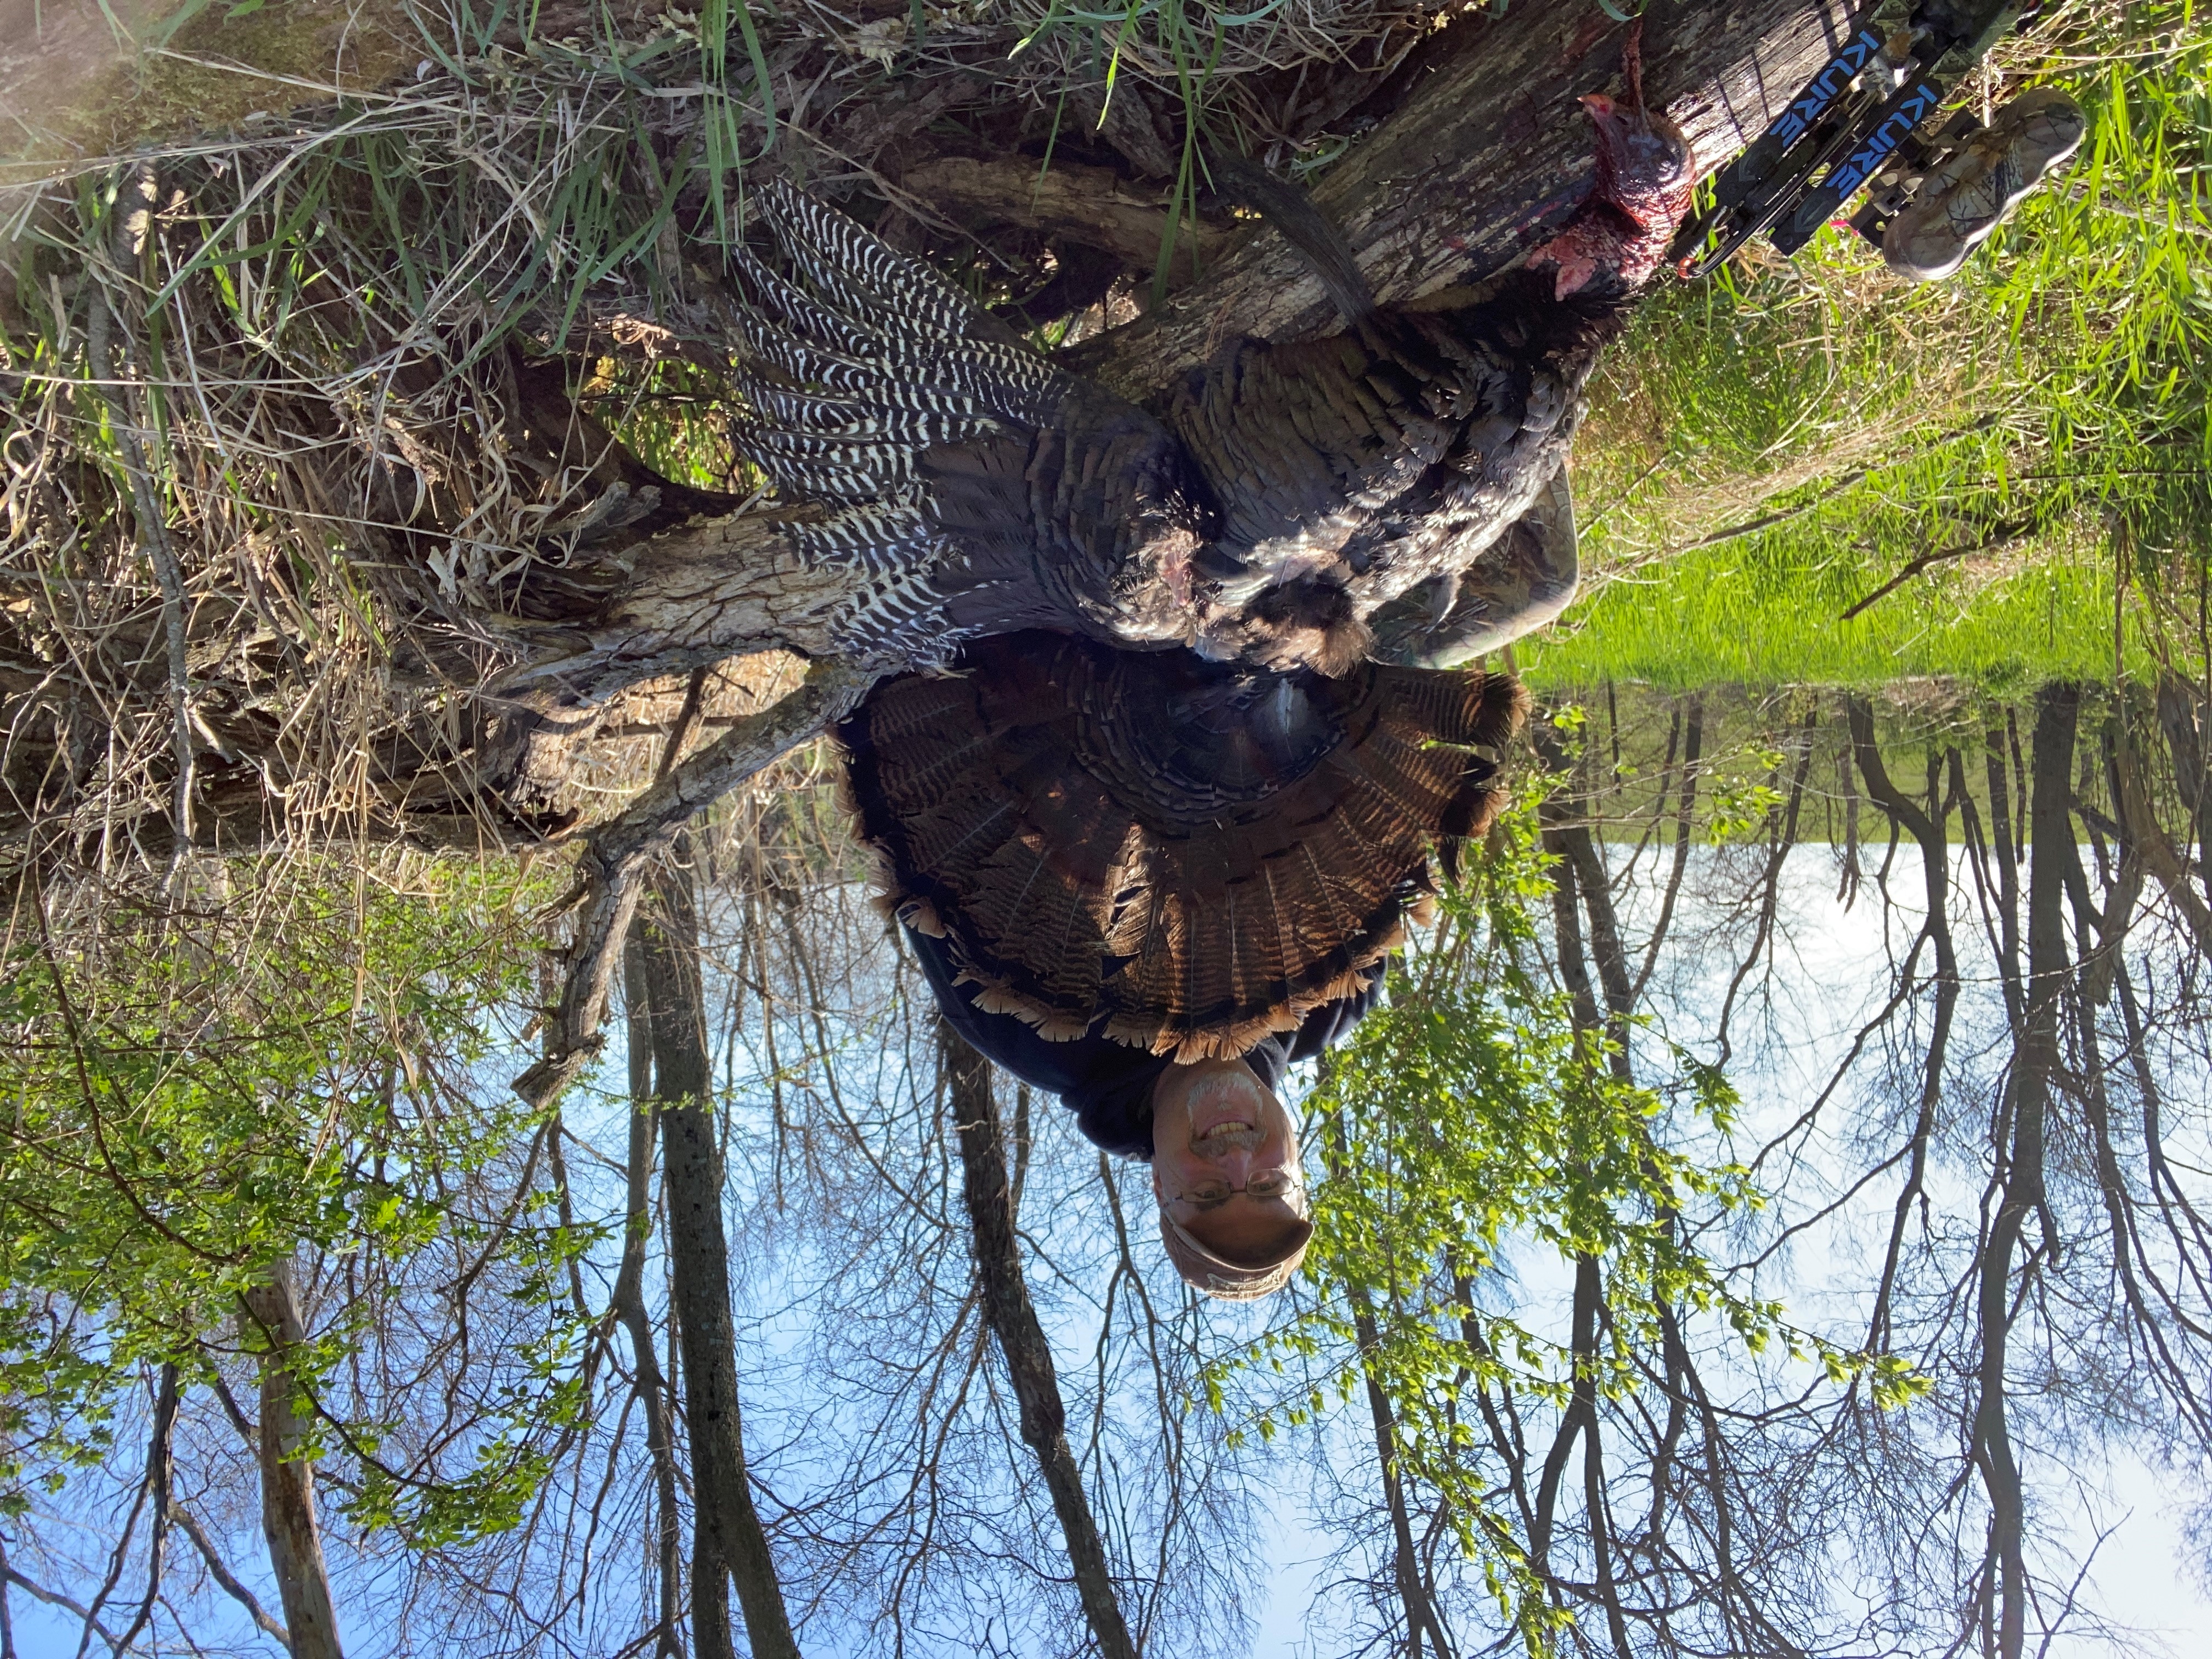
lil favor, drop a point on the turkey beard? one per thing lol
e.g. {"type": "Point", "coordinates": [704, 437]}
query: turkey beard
{"type": "Point", "coordinates": [1186, 856]}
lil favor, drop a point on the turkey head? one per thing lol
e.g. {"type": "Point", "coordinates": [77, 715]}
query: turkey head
{"type": "Point", "coordinates": [1183, 854]}
{"type": "Point", "coordinates": [1640, 190]}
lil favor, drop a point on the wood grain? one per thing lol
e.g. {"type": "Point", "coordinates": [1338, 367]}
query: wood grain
{"type": "Point", "coordinates": [1488, 153]}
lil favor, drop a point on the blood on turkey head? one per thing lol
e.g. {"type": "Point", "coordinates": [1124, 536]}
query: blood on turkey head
{"type": "Point", "coordinates": [1640, 189]}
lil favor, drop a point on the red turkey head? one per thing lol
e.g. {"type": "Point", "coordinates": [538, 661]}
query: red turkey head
{"type": "Point", "coordinates": [1645, 167]}
{"type": "Point", "coordinates": [1639, 190]}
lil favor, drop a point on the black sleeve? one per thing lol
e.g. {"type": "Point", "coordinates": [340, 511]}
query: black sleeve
{"type": "Point", "coordinates": [1324, 1028]}
{"type": "Point", "coordinates": [1332, 1023]}
{"type": "Point", "coordinates": [1109, 1084]}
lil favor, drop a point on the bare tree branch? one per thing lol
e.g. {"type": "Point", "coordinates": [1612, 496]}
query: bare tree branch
{"type": "Point", "coordinates": [617, 854]}
{"type": "Point", "coordinates": [222, 1576]}
{"type": "Point", "coordinates": [1013, 1322]}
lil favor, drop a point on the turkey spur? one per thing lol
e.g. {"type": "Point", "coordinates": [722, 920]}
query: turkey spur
{"type": "Point", "coordinates": [1281, 497]}
{"type": "Point", "coordinates": [1181, 855]}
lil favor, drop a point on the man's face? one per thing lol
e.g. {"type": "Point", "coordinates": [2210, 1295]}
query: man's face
{"type": "Point", "coordinates": [1225, 1159]}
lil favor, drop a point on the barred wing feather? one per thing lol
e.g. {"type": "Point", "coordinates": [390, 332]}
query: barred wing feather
{"type": "Point", "coordinates": [978, 488]}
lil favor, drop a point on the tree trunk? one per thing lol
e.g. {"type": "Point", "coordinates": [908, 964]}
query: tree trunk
{"type": "Point", "coordinates": [627, 1299]}
{"type": "Point", "coordinates": [1013, 1322]}
{"type": "Point", "coordinates": [731, 1538]}
{"type": "Point", "coordinates": [2035, 1059]}
{"type": "Point", "coordinates": [1421, 1621]}
{"type": "Point", "coordinates": [288, 1482]}
{"type": "Point", "coordinates": [1487, 154]}
{"type": "Point", "coordinates": [1932, 836]}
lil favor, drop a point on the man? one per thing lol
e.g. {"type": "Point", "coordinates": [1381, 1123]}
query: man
{"type": "Point", "coordinates": [1112, 864]}
{"type": "Point", "coordinates": [1222, 1147]}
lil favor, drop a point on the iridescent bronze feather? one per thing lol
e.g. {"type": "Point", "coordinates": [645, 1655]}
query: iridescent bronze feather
{"type": "Point", "coordinates": [1185, 856]}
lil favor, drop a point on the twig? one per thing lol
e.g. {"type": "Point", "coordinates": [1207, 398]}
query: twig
{"type": "Point", "coordinates": [1767, 521]}
{"type": "Point", "coordinates": [1847, 481]}
{"type": "Point", "coordinates": [2003, 535]}
{"type": "Point", "coordinates": [618, 852]}
{"type": "Point", "coordinates": [56, 1599]}
{"type": "Point", "coordinates": [158, 1470]}
{"type": "Point", "coordinates": [222, 1576]}
{"type": "Point", "coordinates": [680, 729]}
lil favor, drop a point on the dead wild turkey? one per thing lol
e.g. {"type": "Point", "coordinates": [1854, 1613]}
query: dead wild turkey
{"type": "Point", "coordinates": [1179, 854]}
{"type": "Point", "coordinates": [1284, 497]}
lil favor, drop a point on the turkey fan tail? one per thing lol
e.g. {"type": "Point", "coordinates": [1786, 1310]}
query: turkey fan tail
{"type": "Point", "coordinates": [1477, 714]}
{"type": "Point", "coordinates": [1183, 854]}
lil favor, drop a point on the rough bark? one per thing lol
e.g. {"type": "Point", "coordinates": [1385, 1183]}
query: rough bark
{"type": "Point", "coordinates": [1094, 207]}
{"type": "Point", "coordinates": [1487, 153]}
{"type": "Point", "coordinates": [699, 1270]}
{"type": "Point", "coordinates": [288, 1481]}
{"type": "Point", "coordinates": [696, 596]}
{"type": "Point", "coordinates": [1013, 1322]}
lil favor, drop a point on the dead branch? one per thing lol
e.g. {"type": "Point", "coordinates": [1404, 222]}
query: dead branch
{"type": "Point", "coordinates": [221, 1572]}
{"type": "Point", "coordinates": [2002, 537]}
{"type": "Point", "coordinates": [1093, 207]}
{"type": "Point", "coordinates": [615, 857]}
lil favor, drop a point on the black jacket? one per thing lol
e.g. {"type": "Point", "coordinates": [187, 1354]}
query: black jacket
{"type": "Point", "coordinates": [1109, 1084]}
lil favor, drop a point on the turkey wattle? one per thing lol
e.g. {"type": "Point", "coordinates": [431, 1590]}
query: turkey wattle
{"type": "Point", "coordinates": [1283, 495]}
{"type": "Point", "coordinates": [1185, 856]}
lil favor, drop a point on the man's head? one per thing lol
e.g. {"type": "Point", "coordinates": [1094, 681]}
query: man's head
{"type": "Point", "coordinates": [1225, 1169]}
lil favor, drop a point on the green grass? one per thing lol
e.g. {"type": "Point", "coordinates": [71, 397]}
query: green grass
{"type": "Point", "coordinates": [1763, 614]}
{"type": "Point", "coordinates": [2042, 416]}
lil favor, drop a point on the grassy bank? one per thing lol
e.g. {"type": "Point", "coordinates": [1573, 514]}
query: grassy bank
{"type": "Point", "coordinates": [1773, 447]}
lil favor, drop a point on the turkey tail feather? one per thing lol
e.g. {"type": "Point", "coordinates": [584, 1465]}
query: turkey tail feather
{"type": "Point", "coordinates": [1185, 856]}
